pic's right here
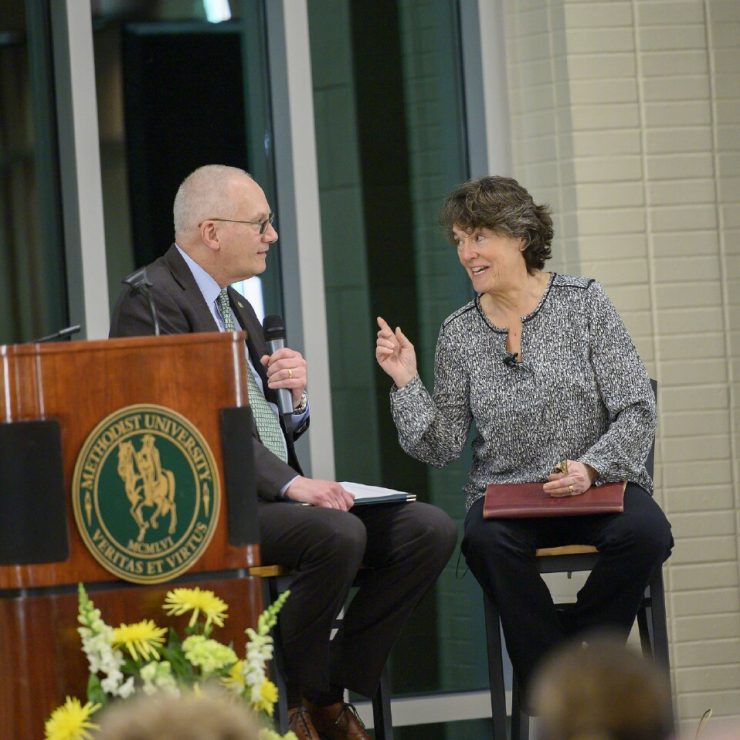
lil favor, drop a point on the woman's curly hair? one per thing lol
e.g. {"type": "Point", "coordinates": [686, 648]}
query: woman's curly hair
{"type": "Point", "coordinates": [502, 205]}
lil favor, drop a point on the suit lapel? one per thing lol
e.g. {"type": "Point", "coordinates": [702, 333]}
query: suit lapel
{"type": "Point", "coordinates": [200, 313]}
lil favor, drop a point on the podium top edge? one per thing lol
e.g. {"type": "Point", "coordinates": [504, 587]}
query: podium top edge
{"type": "Point", "coordinates": [214, 337]}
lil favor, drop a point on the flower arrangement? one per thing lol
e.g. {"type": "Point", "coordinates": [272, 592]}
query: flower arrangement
{"type": "Point", "coordinates": [145, 658]}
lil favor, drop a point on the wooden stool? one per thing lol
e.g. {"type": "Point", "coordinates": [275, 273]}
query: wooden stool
{"type": "Point", "coordinates": [651, 621]}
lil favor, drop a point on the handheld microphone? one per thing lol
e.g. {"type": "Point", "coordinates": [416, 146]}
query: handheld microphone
{"type": "Point", "coordinates": [274, 329]}
{"type": "Point", "coordinates": [510, 359]}
{"type": "Point", "coordinates": [68, 331]}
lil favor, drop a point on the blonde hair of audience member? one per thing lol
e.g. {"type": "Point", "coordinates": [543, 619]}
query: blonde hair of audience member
{"type": "Point", "coordinates": [601, 691]}
{"type": "Point", "coordinates": [207, 715]}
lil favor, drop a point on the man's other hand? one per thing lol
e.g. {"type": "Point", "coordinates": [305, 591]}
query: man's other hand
{"type": "Point", "coordinates": [324, 493]}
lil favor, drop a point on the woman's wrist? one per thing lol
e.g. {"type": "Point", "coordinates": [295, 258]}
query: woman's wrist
{"type": "Point", "coordinates": [401, 380]}
{"type": "Point", "coordinates": [593, 474]}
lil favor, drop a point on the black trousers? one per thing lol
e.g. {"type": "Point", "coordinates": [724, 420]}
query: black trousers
{"type": "Point", "coordinates": [501, 555]}
{"type": "Point", "coordinates": [403, 547]}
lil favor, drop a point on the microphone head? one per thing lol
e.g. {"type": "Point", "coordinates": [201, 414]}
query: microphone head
{"type": "Point", "coordinates": [273, 327]}
{"type": "Point", "coordinates": [138, 279]}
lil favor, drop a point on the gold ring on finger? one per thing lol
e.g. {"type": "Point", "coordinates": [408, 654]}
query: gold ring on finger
{"type": "Point", "coordinates": [290, 374]}
{"type": "Point", "coordinates": [571, 489]}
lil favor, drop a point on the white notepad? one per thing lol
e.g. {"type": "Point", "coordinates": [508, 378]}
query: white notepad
{"type": "Point", "coordinates": [365, 494]}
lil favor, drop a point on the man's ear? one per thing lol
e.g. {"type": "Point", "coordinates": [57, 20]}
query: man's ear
{"type": "Point", "coordinates": [209, 234]}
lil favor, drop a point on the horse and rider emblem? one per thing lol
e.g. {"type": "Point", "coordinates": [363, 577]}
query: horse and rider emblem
{"type": "Point", "coordinates": [146, 493]}
{"type": "Point", "coordinates": [149, 488]}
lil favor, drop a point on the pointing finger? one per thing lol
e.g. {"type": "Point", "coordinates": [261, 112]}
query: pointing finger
{"type": "Point", "coordinates": [383, 324]}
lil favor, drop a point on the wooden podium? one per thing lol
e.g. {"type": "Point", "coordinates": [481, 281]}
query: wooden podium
{"type": "Point", "coordinates": [54, 399]}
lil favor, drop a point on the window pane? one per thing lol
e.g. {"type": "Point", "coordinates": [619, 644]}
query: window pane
{"type": "Point", "coordinates": [30, 223]}
{"type": "Point", "coordinates": [389, 124]}
{"type": "Point", "coordinates": [172, 96]}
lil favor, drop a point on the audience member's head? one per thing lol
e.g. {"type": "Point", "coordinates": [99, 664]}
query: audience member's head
{"type": "Point", "coordinates": [207, 715]}
{"type": "Point", "coordinates": [601, 691]}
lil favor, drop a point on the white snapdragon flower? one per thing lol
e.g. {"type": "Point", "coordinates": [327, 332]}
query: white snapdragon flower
{"type": "Point", "coordinates": [97, 644]}
{"type": "Point", "coordinates": [126, 689]}
{"type": "Point", "coordinates": [259, 651]}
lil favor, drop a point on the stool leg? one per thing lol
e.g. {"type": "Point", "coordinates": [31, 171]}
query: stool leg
{"type": "Point", "coordinates": [644, 625]}
{"type": "Point", "coordinates": [495, 669]}
{"type": "Point", "coordinates": [382, 708]}
{"type": "Point", "coordinates": [659, 621]}
{"type": "Point", "coordinates": [271, 590]}
{"type": "Point", "coordinates": [519, 718]}
{"type": "Point", "coordinates": [652, 623]}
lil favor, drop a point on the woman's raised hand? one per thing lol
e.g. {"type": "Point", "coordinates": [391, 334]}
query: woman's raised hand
{"type": "Point", "coordinates": [395, 354]}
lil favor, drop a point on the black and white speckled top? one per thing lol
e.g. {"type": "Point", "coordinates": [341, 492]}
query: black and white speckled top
{"type": "Point", "coordinates": [581, 392]}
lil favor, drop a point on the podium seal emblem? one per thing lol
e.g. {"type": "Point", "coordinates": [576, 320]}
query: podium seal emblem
{"type": "Point", "coordinates": [146, 493]}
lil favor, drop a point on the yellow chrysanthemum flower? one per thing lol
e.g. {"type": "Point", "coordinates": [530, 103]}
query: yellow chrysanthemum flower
{"type": "Point", "coordinates": [183, 600]}
{"type": "Point", "coordinates": [141, 640]}
{"type": "Point", "coordinates": [71, 721]}
{"type": "Point", "coordinates": [235, 680]}
{"type": "Point", "coordinates": [267, 698]}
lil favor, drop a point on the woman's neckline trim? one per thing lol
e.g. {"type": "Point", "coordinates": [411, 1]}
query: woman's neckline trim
{"type": "Point", "coordinates": [523, 319]}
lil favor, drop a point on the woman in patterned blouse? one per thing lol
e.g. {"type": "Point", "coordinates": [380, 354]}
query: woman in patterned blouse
{"type": "Point", "coordinates": [544, 366]}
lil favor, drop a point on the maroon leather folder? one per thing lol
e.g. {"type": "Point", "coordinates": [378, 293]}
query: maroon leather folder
{"type": "Point", "coordinates": [529, 501]}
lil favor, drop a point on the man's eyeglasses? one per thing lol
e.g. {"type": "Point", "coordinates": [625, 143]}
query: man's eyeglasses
{"type": "Point", "coordinates": [262, 224]}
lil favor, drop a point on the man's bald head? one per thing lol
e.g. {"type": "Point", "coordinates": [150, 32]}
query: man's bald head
{"type": "Point", "coordinates": [223, 222]}
{"type": "Point", "coordinates": [205, 193]}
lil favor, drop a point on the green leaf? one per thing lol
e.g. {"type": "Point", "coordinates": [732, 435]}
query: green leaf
{"type": "Point", "coordinates": [130, 667]}
{"type": "Point", "coordinates": [95, 691]}
{"type": "Point", "coordinates": [182, 669]}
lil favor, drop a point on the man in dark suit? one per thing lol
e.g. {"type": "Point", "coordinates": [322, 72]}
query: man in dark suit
{"type": "Point", "coordinates": [223, 233]}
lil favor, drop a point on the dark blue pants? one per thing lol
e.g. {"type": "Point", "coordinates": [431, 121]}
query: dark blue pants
{"type": "Point", "coordinates": [501, 555]}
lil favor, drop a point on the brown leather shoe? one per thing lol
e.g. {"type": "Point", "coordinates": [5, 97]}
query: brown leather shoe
{"type": "Point", "coordinates": [338, 721]}
{"type": "Point", "coordinates": [299, 721]}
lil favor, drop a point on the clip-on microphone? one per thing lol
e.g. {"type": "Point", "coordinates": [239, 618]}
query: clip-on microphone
{"type": "Point", "coordinates": [510, 359]}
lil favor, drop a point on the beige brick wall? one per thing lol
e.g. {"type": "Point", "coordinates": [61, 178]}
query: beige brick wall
{"type": "Point", "coordinates": [626, 119]}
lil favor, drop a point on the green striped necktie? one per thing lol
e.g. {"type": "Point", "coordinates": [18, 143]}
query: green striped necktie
{"type": "Point", "coordinates": [268, 426]}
